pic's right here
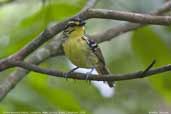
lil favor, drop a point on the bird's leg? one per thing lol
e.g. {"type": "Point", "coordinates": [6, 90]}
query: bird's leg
{"type": "Point", "coordinates": [71, 71]}
{"type": "Point", "coordinates": [88, 73]}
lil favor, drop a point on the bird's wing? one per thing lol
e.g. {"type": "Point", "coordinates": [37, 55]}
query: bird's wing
{"type": "Point", "coordinates": [101, 68]}
{"type": "Point", "coordinates": [95, 49]}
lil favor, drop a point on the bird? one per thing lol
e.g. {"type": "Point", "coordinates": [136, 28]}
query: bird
{"type": "Point", "coordinates": [83, 51]}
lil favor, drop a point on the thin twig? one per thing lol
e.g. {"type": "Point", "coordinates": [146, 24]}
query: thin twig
{"type": "Point", "coordinates": [148, 68]}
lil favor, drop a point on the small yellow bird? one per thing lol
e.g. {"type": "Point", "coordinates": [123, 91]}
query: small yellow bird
{"type": "Point", "coordinates": [81, 51]}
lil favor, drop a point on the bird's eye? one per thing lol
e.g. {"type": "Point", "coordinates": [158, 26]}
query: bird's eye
{"type": "Point", "coordinates": [72, 24]}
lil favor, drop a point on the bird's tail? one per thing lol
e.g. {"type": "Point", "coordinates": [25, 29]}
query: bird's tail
{"type": "Point", "coordinates": [101, 69]}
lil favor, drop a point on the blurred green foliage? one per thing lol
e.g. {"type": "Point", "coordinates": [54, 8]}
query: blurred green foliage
{"type": "Point", "coordinates": [23, 20]}
{"type": "Point", "coordinates": [148, 46]}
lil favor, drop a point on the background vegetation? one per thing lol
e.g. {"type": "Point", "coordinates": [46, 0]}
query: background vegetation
{"type": "Point", "coordinates": [23, 20]}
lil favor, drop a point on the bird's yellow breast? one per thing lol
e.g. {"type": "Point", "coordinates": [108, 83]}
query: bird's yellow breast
{"type": "Point", "coordinates": [77, 50]}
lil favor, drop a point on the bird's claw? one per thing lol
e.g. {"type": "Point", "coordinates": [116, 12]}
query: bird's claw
{"type": "Point", "coordinates": [66, 75]}
{"type": "Point", "coordinates": [88, 74]}
{"type": "Point", "coordinates": [71, 71]}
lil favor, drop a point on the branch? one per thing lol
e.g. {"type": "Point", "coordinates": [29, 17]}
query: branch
{"type": "Point", "coordinates": [42, 38]}
{"type": "Point", "coordinates": [51, 49]}
{"type": "Point", "coordinates": [113, 32]}
{"type": "Point", "coordinates": [116, 31]}
{"type": "Point", "coordinates": [129, 16]}
{"type": "Point", "coordinates": [86, 13]}
{"type": "Point", "coordinates": [82, 76]}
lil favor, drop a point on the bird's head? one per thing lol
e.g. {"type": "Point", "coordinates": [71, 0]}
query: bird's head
{"type": "Point", "coordinates": [75, 27]}
{"type": "Point", "coordinates": [76, 22]}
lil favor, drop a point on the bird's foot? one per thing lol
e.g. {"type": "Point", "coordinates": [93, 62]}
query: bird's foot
{"type": "Point", "coordinates": [66, 75]}
{"type": "Point", "coordinates": [89, 73]}
{"type": "Point", "coordinates": [71, 71]}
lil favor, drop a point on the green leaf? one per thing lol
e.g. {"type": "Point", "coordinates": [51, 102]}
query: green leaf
{"type": "Point", "coordinates": [2, 108]}
{"type": "Point", "coordinates": [60, 98]}
{"type": "Point", "coordinates": [147, 46]}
